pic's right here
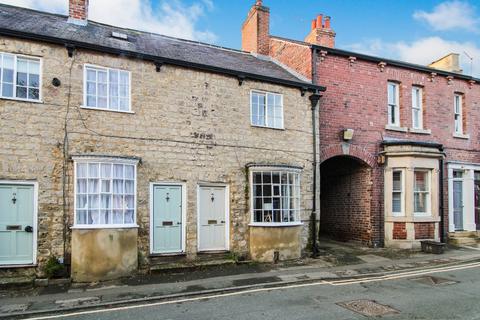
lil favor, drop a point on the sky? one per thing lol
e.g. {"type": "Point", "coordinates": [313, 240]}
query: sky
{"type": "Point", "coordinates": [413, 31]}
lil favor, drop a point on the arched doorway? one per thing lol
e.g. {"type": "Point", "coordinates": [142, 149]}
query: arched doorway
{"type": "Point", "coordinates": [345, 199]}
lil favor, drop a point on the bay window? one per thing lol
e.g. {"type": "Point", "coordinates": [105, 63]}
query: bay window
{"type": "Point", "coordinates": [275, 196]}
{"type": "Point", "coordinates": [106, 88]}
{"type": "Point", "coordinates": [19, 77]}
{"type": "Point", "coordinates": [105, 193]}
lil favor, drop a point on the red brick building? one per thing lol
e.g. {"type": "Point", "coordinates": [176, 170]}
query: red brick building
{"type": "Point", "coordinates": [399, 143]}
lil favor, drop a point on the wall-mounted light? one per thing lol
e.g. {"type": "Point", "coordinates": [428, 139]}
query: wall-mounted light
{"type": "Point", "coordinates": [347, 134]}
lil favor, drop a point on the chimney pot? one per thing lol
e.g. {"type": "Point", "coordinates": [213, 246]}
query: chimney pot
{"type": "Point", "coordinates": [259, 3]}
{"type": "Point", "coordinates": [320, 21]}
{"type": "Point", "coordinates": [327, 22]}
{"type": "Point", "coordinates": [314, 24]}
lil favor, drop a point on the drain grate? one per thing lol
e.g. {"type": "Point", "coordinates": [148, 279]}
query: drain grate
{"type": "Point", "coordinates": [369, 308]}
{"type": "Point", "coordinates": [434, 281]}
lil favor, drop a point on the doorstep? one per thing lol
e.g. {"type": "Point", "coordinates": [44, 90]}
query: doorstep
{"type": "Point", "coordinates": [180, 262]}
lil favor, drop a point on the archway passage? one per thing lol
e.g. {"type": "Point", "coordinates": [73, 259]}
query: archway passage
{"type": "Point", "coordinates": [345, 198]}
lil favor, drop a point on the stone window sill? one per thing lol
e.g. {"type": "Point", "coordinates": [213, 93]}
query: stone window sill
{"type": "Point", "coordinates": [461, 136]}
{"type": "Point", "coordinates": [396, 128]}
{"type": "Point", "coordinates": [412, 219]}
{"type": "Point", "coordinates": [105, 226]}
{"type": "Point", "coordinates": [420, 131]}
{"type": "Point", "coordinates": [107, 110]}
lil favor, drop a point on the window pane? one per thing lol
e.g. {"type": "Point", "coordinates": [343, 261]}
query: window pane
{"type": "Point", "coordinates": [106, 186]}
{"type": "Point", "coordinates": [91, 75]}
{"type": "Point", "coordinates": [392, 96]}
{"type": "Point", "coordinates": [102, 76]}
{"type": "Point", "coordinates": [7, 90]}
{"type": "Point", "coordinates": [421, 202]}
{"type": "Point", "coordinates": [82, 202]}
{"type": "Point", "coordinates": [22, 92]}
{"type": "Point", "coordinates": [93, 186]}
{"type": "Point", "coordinates": [129, 172]}
{"type": "Point", "coordinates": [21, 79]}
{"type": "Point", "coordinates": [91, 88]}
{"type": "Point", "coordinates": [106, 170]}
{"type": "Point", "coordinates": [91, 101]}
{"type": "Point", "coordinates": [33, 80]}
{"type": "Point", "coordinates": [93, 170]}
{"type": "Point", "coordinates": [118, 186]}
{"type": "Point", "coordinates": [81, 170]}
{"type": "Point", "coordinates": [129, 216]}
{"type": "Point", "coordinates": [117, 217]}
{"type": "Point", "coordinates": [397, 180]}
{"type": "Point", "coordinates": [106, 201]}
{"type": "Point", "coordinates": [420, 181]}
{"type": "Point", "coordinates": [118, 170]}
{"type": "Point", "coordinates": [81, 216]}
{"type": "Point", "coordinates": [7, 75]}
{"type": "Point", "coordinates": [397, 202]}
{"type": "Point", "coordinates": [22, 65]}
{"type": "Point", "coordinates": [33, 68]}
{"type": "Point", "coordinates": [81, 185]}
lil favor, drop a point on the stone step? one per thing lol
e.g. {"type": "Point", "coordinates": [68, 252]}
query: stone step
{"type": "Point", "coordinates": [464, 241]}
{"type": "Point", "coordinates": [180, 262]}
{"type": "Point", "coordinates": [463, 234]}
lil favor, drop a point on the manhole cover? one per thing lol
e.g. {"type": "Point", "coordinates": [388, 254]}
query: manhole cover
{"type": "Point", "coordinates": [368, 308]}
{"type": "Point", "coordinates": [434, 281]}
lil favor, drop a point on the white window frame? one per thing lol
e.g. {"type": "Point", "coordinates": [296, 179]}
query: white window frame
{"type": "Point", "coordinates": [396, 106]}
{"type": "Point", "coordinates": [428, 192]}
{"type": "Point", "coordinates": [458, 113]}
{"type": "Point", "coordinates": [80, 159]}
{"type": "Point", "coordinates": [15, 58]}
{"type": "Point", "coordinates": [266, 93]}
{"type": "Point", "coordinates": [101, 68]}
{"type": "Point", "coordinates": [402, 192]}
{"type": "Point", "coordinates": [417, 105]}
{"type": "Point", "coordinates": [258, 169]}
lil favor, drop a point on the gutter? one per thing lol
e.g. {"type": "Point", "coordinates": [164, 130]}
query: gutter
{"type": "Point", "coordinates": [72, 44]}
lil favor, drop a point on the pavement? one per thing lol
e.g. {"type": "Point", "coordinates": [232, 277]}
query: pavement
{"type": "Point", "coordinates": [337, 261]}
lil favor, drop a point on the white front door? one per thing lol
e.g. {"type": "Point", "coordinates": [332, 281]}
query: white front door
{"type": "Point", "coordinates": [212, 218]}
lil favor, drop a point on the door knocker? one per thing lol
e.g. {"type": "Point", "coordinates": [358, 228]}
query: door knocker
{"type": "Point", "coordinates": [14, 199]}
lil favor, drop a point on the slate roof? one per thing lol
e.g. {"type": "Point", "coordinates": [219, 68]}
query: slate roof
{"type": "Point", "coordinates": [31, 24]}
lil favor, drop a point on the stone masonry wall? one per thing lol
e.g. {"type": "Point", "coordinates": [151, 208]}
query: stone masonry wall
{"type": "Point", "coordinates": [185, 125]}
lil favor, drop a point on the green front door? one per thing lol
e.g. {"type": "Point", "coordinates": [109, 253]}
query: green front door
{"type": "Point", "coordinates": [16, 224]}
{"type": "Point", "coordinates": [167, 219]}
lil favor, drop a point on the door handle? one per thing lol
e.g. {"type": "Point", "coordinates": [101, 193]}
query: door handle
{"type": "Point", "coordinates": [28, 229]}
{"type": "Point", "coordinates": [223, 221]}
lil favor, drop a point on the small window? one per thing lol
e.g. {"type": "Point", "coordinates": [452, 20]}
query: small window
{"type": "Point", "coordinates": [393, 104]}
{"type": "Point", "coordinates": [276, 196]}
{"type": "Point", "coordinates": [107, 89]}
{"type": "Point", "coordinates": [417, 108]}
{"type": "Point", "coordinates": [266, 109]}
{"type": "Point", "coordinates": [421, 191]}
{"type": "Point", "coordinates": [458, 114]}
{"type": "Point", "coordinates": [397, 193]}
{"type": "Point", "coordinates": [19, 77]}
{"type": "Point", "coordinates": [105, 193]}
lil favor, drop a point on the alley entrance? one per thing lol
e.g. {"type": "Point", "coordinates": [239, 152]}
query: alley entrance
{"type": "Point", "coordinates": [345, 199]}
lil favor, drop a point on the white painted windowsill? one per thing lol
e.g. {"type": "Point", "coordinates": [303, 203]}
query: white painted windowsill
{"type": "Point", "coordinates": [107, 110]}
{"type": "Point", "coordinates": [461, 136]}
{"type": "Point", "coordinates": [420, 131]}
{"type": "Point", "coordinates": [21, 100]}
{"type": "Point", "coordinates": [104, 226]}
{"type": "Point", "coordinates": [396, 128]}
{"type": "Point", "coordinates": [275, 224]}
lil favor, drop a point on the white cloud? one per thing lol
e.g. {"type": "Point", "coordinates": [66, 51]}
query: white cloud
{"type": "Point", "coordinates": [172, 17]}
{"type": "Point", "coordinates": [450, 15]}
{"type": "Point", "coordinates": [422, 51]}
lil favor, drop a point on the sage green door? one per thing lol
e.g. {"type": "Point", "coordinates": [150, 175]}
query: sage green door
{"type": "Point", "coordinates": [16, 224]}
{"type": "Point", "coordinates": [167, 219]}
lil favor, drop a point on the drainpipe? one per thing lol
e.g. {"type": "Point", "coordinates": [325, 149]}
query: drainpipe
{"type": "Point", "coordinates": [314, 98]}
{"type": "Point", "coordinates": [441, 207]}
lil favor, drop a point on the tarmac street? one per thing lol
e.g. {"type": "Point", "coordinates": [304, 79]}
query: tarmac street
{"type": "Point", "coordinates": [443, 293]}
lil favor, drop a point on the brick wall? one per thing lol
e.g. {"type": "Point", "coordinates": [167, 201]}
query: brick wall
{"type": "Point", "coordinates": [256, 30]}
{"type": "Point", "coordinates": [295, 56]}
{"type": "Point", "coordinates": [399, 231]}
{"type": "Point", "coordinates": [78, 9]}
{"type": "Point", "coordinates": [346, 186]}
{"type": "Point", "coordinates": [424, 230]}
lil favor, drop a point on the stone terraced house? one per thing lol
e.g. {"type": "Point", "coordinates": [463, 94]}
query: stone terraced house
{"type": "Point", "coordinates": [123, 150]}
{"type": "Point", "coordinates": [399, 142]}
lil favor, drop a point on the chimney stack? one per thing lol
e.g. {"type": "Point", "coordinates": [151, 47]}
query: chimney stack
{"type": "Point", "coordinates": [256, 30]}
{"type": "Point", "coordinates": [321, 33]}
{"type": "Point", "coordinates": [78, 12]}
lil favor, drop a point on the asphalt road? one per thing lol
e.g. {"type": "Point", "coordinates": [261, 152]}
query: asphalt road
{"type": "Point", "coordinates": [449, 295]}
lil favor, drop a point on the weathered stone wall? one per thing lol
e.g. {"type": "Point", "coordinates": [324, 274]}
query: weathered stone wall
{"type": "Point", "coordinates": [185, 125]}
{"type": "Point", "coordinates": [266, 242]}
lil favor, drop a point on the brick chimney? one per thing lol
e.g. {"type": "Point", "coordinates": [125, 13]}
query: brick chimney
{"type": "Point", "coordinates": [78, 12]}
{"type": "Point", "coordinates": [256, 30]}
{"type": "Point", "coordinates": [321, 33]}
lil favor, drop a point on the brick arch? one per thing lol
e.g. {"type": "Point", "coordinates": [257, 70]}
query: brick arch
{"type": "Point", "coordinates": [348, 150]}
